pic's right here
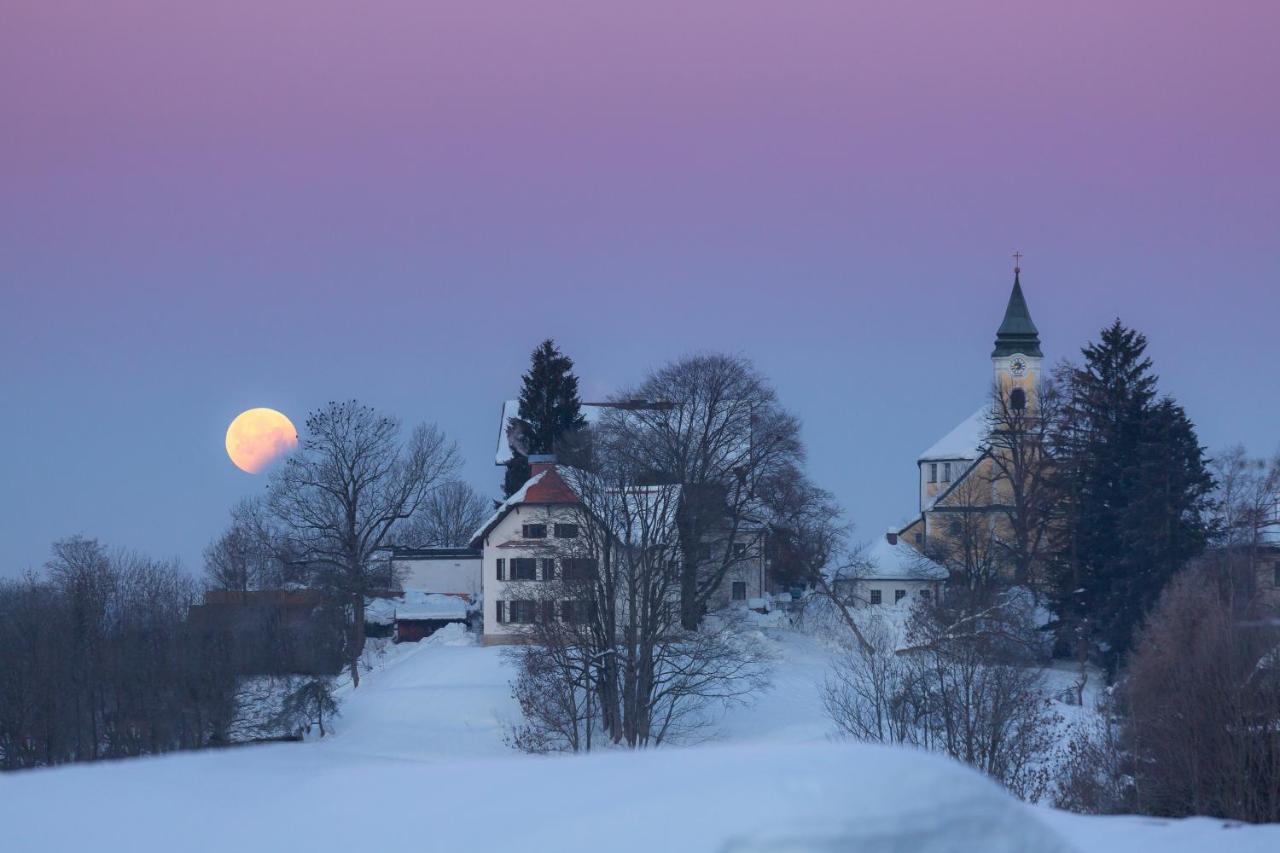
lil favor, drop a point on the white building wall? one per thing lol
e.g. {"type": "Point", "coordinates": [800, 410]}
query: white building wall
{"type": "Point", "coordinates": [506, 542]}
{"type": "Point", "coordinates": [858, 592]}
{"type": "Point", "coordinates": [447, 575]}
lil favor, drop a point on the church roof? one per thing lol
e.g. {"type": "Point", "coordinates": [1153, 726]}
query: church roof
{"type": "Point", "coordinates": [965, 441]}
{"type": "Point", "coordinates": [1017, 333]}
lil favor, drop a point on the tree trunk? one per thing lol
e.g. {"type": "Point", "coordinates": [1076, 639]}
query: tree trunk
{"type": "Point", "coordinates": [357, 639]}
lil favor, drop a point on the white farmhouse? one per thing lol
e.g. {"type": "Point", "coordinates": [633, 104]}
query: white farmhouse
{"type": "Point", "coordinates": [535, 536]}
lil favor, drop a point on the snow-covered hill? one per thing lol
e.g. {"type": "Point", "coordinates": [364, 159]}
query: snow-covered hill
{"type": "Point", "coordinates": [418, 763]}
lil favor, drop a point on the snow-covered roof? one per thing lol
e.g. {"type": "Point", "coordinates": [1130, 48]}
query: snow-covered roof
{"type": "Point", "coordinates": [502, 454]}
{"type": "Point", "coordinates": [963, 442]}
{"type": "Point", "coordinates": [883, 561]}
{"type": "Point", "coordinates": [517, 496]}
{"type": "Point", "coordinates": [415, 604]}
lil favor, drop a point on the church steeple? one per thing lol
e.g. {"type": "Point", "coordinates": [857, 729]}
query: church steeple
{"type": "Point", "coordinates": [1017, 334]}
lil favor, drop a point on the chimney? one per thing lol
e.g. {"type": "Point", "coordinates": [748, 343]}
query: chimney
{"type": "Point", "coordinates": [892, 537]}
{"type": "Point", "coordinates": [540, 462]}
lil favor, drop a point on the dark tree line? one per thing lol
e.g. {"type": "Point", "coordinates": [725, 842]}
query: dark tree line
{"type": "Point", "coordinates": [98, 661]}
{"type": "Point", "coordinates": [1133, 494]}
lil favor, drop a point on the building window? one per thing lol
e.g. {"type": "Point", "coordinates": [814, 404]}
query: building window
{"type": "Point", "coordinates": [524, 569]}
{"type": "Point", "coordinates": [919, 538]}
{"type": "Point", "coordinates": [575, 612]}
{"type": "Point", "coordinates": [522, 612]}
{"type": "Point", "coordinates": [898, 595]}
{"type": "Point", "coordinates": [502, 569]}
{"type": "Point", "coordinates": [1018, 399]}
{"type": "Point", "coordinates": [933, 472]}
{"type": "Point", "coordinates": [875, 596]}
{"type": "Point", "coordinates": [578, 568]}
{"type": "Point", "coordinates": [946, 472]}
{"type": "Point", "coordinates": [739, 590]}
{"type": "Point", "coordinates": [534, 531]}
{"type": "Point", "coordinates": [925, 594]}
{"type": "Point", "coordinates": [566, 531]}
{"type": "Point", "coordinates": [739, 550]}
{"type": "Point", "coordinates": [953, 527]}
{"type": "Point", "coordinates": [548, 569]}
{"type": "Point", "coordinates": [499, 607]}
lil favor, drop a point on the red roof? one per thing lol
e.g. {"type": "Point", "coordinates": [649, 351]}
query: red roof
{"type": "Point", "coordinates": [544, 486]}
{"type": "Point", "coordinates": [550, 488]}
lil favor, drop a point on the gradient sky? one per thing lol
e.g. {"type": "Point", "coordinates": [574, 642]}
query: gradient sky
{"type": "Point", "coordinates": [206, 207]}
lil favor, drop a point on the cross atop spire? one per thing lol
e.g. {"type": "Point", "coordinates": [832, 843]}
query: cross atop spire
{"type": "Point", "coordinates": [1017, 262]}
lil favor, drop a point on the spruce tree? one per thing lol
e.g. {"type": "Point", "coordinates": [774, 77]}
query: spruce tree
{"type": "Point", "coordinates": [1134, 488]}
{"type": "Point", "coordinates": [550, 410]}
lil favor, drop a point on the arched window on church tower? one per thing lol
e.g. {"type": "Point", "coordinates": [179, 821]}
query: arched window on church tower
{"type": "Point", "coordinates": [1018, 399]}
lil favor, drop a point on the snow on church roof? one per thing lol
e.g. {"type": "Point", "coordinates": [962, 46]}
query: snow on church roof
{"type": "Point", "coordinates": [963, 442]}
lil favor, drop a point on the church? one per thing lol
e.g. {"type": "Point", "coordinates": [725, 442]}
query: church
{"type": "Point", "coordinates": [963, 487]}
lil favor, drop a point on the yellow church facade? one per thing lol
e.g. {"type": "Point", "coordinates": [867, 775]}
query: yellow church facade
{"type": "Point", "coordinates": [966, 482]}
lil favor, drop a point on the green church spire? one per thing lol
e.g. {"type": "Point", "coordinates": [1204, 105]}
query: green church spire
{"type": "Point", "coordinates": [1017, 334]}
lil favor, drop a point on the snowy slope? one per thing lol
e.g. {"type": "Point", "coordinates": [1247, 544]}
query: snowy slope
{"type": "Point", "coordinates": [418, 763]}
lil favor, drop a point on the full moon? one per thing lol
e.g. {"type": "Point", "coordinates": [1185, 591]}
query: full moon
{"type": "Point", "coordinates": [258, 437]}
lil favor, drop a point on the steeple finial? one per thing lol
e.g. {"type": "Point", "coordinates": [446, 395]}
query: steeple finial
{"type": "Point", "coordinates": [1017, 263]}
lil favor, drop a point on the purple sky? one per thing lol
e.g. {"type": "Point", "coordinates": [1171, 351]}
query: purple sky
{"type": "Point", "coordinates": [210, 207]}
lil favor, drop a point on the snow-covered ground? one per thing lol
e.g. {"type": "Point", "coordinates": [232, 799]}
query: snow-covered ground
{"type": "Point", "coordinates": [419, 763]}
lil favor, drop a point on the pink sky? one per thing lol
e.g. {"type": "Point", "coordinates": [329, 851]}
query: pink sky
{"type": "Point", "coordinates": [214, 206]}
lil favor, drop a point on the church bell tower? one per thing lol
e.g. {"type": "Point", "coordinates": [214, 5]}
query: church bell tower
{"type": "Point", "coordinates": [1017, 357]}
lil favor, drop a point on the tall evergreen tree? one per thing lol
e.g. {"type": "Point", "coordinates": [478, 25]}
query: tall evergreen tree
{"type": "Point", "coordinates": [550, 410]}
{"type": "Point", "coordinates": [1135, 486]}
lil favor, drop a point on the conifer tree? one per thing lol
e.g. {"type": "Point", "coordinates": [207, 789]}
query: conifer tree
{"type": "Point", "coordinates": [1134, 487]}
{"type": "Point", "coordinates": [550, 410]}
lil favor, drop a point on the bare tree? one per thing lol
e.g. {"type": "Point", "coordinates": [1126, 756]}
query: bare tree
{"type": "Point", "coordinates": [1246, 504]}
{"type": "Point", "coordinates": [712, 424]}
{"type": "Point", "coordinates": [967, 544]}
{"type": "Point", "coordinates": [1203, 699]}
{"type": "Point", "coordinates": [309, 701]}
{"type": "Point", "coordinates": [609, 653]}
{"type": "Point", "coordinates": [447, 518]}
{"type": "Point", "coordinates": [1020, 444]}
{"type": "Point", "coordinates": [98, 660]}
{"type": "Point", "coordinates": [960, 681]}
{"type": "Point", "coordinates": [343, 493]}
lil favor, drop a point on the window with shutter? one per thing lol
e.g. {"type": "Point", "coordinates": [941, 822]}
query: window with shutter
{"type": "Point", "coordinates": [548, 569]}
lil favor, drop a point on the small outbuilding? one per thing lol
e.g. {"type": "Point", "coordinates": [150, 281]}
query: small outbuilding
{"type": "Point", "coordinates": [889, 573]}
